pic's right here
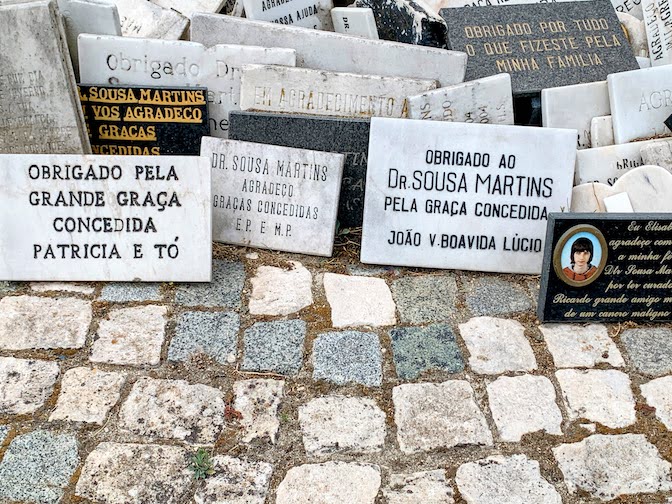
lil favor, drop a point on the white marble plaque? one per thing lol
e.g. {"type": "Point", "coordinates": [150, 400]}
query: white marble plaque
{"type": "Point", "coordinates": [87, 16]}
{"type": "Point", "coordinates": [142, 62]}
{"type": "Point", "coordinates": [658, 153]}
{"type": "Point", "coordinates": [643, 62]}
{"type": "Point", "coordinates": [649, 189]}
{"type": "Point", "coordinates": [189, 7]}
{"type": "Point", "coordinates": [574, 107]}
{"type": "Point", "coordinates": [484, 101]}
{"type": "Point", "coordinates": [304, 13]}
{"type": "Point", "coordinates": [640, 100]}
{"type": "Point", "coordinates": [274, 197]}
{"type": "Point", "coordinates": [144, 19]}
{"type": "Point", "coordinates": [333, 51]}
{"type": "Point", "coordinates": [618, 203]}
{"type": "Point", "coordinates": [105, 218]}
{"type": "Point", "coordinates": [271, 88]}
{"type": "Point", "coordinates": [606, 164]}
{"type": "Point", "coordinates": [39, 106]}
{"type": "Point", "coordinates": [658, 31]}
{"type": "Point", "coordinates": [601, 132]}
{"type": "Point", "coordinates": [172, 63]}
{"type": "Point", "coordinates": [223, 64]}
{"type": "Point", "coordinates": [356, 21]}
{"type": "Point", "coordinates": [590, 197]}
{"type": "Point", "coordinates": [632, 7]}
{"type": "Point", "coordinates": [463, 196]}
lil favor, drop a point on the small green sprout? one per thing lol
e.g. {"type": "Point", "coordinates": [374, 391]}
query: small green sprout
{"type": "Point", "coordinates": [201, 464]}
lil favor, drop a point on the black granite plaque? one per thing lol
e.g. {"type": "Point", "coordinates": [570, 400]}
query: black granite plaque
{"type": "Point", "coordinates": [145, 121]}
{"type": "Point", "coordinates": [407, 21]}
{"type": "Point", "coordinates": [541, 45]}
{"type": "Point", "coordinates": [344, 136]}
{"type": "Point", "coordinates": [607, 267]}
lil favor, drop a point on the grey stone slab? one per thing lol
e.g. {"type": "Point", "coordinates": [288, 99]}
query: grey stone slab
{"type": "Point", "coordinates": [407, 21]}
{"type": "Point", "coordinates": [334, 52]}
{"type": "Point", "coordinates": [224, 289]}
{"type": "Point", "coordinates": [128, 292]}
{"type": "Point", "coordinates": [345, 136]}
{"type": "Point", "coordinates": [418, 349]}
{"type": "Point", "coordinates": [541, 45]}
{"type": "Point", "coordinates": [494, 296]}
{"type": "Point", "coordinates": [4, 430]}
{"type": "Point", "coordinates": [348, 356]}
{"type": "Point", "coordinates": [37, 467]}
{"type": "Point", "coordinates": [214, 334]}
{"type": "Point", "coordinates": [275, 346]}
{"type": "Point", "coordinates": [422, 299]}
{"type": "Point", "coordinates": [39, 107]}
{"type": "Point", "coordinates": [650, 349]}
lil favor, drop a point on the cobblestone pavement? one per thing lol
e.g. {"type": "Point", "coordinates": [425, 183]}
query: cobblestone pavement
{"type": "Point", "coordinates": [314, 380]}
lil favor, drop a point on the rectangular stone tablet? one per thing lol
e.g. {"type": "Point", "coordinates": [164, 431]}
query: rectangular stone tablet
{"type": "Point", "coordinates": [483, 101]}
{"type": "Point", "coordinates": [640, 101]}
{"type": "Point", "coordinates": [463, 196]}
{"type": "Point", "coordinates": [268, 88]}
{"type": "Point", "coordinates": [334, 52]}
{"type": "Point", "coordinates": [39, 109]}
{"type": "Point", "coordinates": [541, 45]}
{"type": "Point", "coordinates": [349, 137]}
{"type": "Point", "coordinates": [105, 218]}
{"type": "Point", "coordinates": [145, 121]}
{"type": "Point", "coordinates": [627, 278]}
{"type": "Point", "coordinates": [606, 164]}
{"type": "Point", "coordinates": [273, 197]}
{"type": "Point", "coordinates": [574, 107]}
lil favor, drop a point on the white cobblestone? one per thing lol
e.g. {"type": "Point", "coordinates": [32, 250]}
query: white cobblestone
{"type": "Point", "coordinates": [25, 385]}
{"type": "Point", "coordinates": [276, 291]}
{"type": "Point", "coordinates": [576, 346]}
{"type": "Point", "coordinates": [602, 396]}
{"type": "Point", "coordinates": [173, 409]}
{"type": "Point", "coordinates": [658, 393]}
{"type": "Point", "coordinates": [497, 345]}
{"type": "Point", "coordinates": [609, 466]}
{"type": "Point", "coordinates": [438, 415]}
{"type": "Point", "coordinates": [87, 395]}
{"type": "Point", "coordinates": [342, 424]}
{"type": "Point", "coordinates": [524, 404]}
{"type": "Point", "coordinates": [35, 322]}
{"type": "Point", "coordinates": [330, 483]}
{"type": "Point", "coordinates": [62, 287]}
{"type": "Point", "coordinates": [498, 479]}
{"type": "Point", "coordinates": [258, 400]}
{"type": "Point", "coordinates": [235, 481]}
{"type": "Point", "coordinates": [427, 487]}
{"type": "Point", "coordinates": [131, 336]}
{"type": "Point", "coordinates": [359, 301]}
{"type": "Point", "coordinates": [117, 473]}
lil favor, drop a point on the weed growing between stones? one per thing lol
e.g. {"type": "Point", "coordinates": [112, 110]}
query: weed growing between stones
{"type": "Point", "coordinates": [201, 464]}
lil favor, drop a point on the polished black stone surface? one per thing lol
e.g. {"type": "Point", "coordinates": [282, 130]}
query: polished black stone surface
{"type": "Point", "coordinates": [145, 121]}
{"type": "Point", "coordinates": [631, 280]}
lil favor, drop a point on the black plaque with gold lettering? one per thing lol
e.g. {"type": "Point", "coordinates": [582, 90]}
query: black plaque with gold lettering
{"type": "Point", "coordinates": [142, 121]}
{"type": "Point", "coordinates": [607, 267]}
{"type": "Point", "coordinates": [541, 45]}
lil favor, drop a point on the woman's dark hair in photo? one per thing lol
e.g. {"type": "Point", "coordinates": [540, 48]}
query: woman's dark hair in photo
{"type": "Point", "coordinates": [582, 245]}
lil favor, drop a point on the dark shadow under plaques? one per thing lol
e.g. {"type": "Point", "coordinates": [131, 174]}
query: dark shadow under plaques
{"type": "Point", "coordinates": [607, 267]}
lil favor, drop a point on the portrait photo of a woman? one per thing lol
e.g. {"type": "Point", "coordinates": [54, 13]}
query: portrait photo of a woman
{"type": "Point", "coordinates": [580, 255]}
